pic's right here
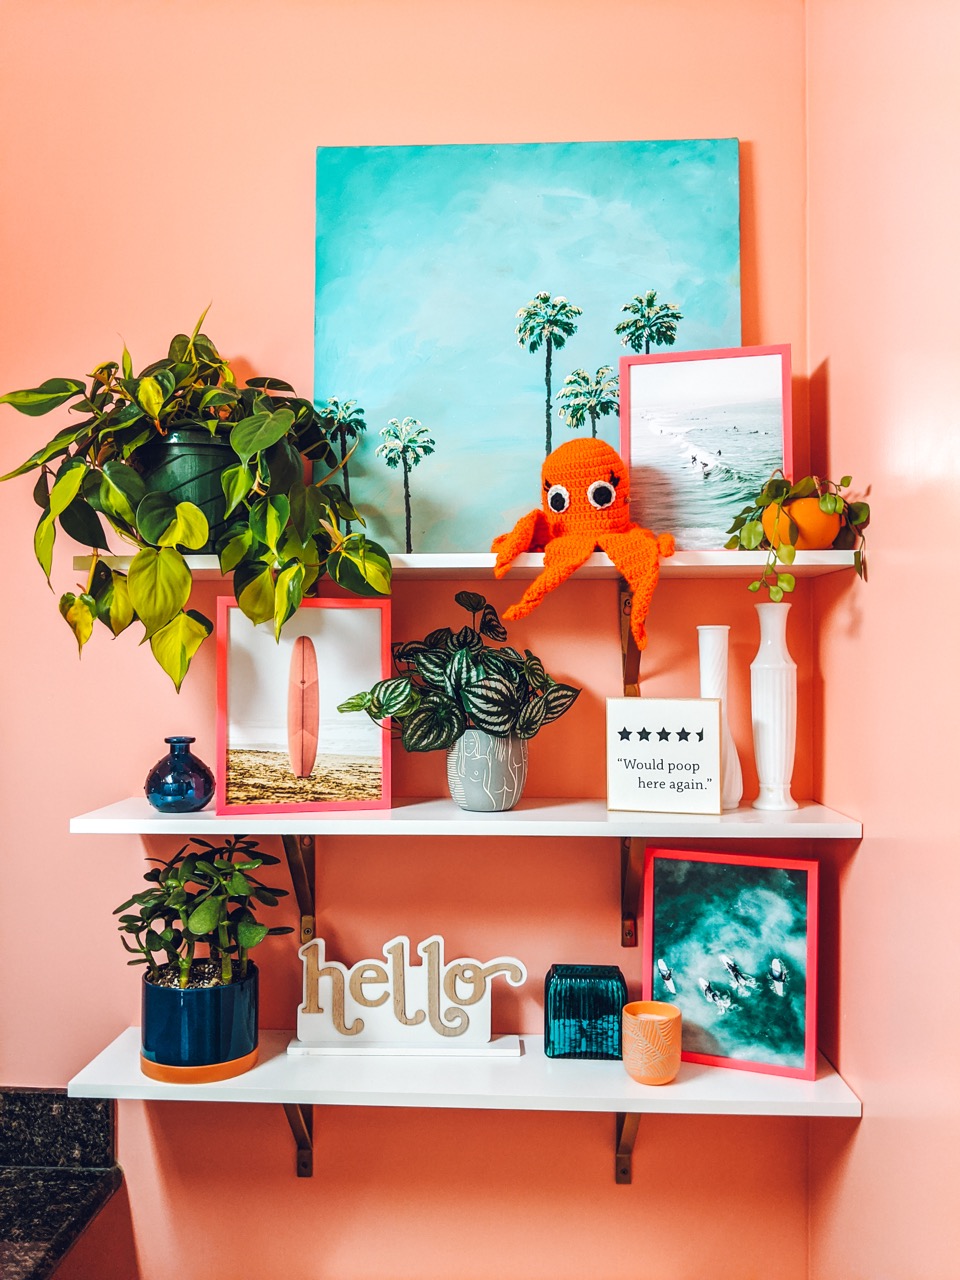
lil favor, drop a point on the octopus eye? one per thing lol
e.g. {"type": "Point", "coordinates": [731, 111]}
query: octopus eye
{"type": "Point", "coordinates": [601, 494]}
{"type": "Point", "coordinates": [558, 498]}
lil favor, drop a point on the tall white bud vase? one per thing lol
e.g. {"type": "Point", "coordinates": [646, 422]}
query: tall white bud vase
{"type": "Point", "coordinates": [773, 703]}
{"type": "Point", "coordinates": [714, 643]}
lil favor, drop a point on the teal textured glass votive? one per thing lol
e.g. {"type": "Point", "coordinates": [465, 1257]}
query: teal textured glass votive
{"type": "Point", "coordinates": [582, 1004]}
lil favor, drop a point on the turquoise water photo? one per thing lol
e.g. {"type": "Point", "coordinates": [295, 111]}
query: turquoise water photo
{"type": "Point", "coordinates": [730, 945]}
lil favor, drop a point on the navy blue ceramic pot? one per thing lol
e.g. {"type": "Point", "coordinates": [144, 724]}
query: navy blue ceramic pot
{"type": "Point", "coordinates": [195, 1035]}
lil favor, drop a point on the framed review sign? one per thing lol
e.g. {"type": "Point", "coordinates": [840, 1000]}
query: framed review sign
{"type": "Point", "coordinates": [663, 755]}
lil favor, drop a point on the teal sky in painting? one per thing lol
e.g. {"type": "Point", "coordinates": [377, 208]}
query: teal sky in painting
{"type": "Point", "coordinates": [424, 257]}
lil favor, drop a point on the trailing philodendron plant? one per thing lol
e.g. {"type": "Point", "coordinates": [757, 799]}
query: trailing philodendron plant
{"type": "Point", "coordinates": [810, 514]}
{"type": "Point", "coordinates": [451, 681]}
{"type": "Point", "coordinates": [204, 896]}
{"type": "Point", "coordinates": [282, 527]}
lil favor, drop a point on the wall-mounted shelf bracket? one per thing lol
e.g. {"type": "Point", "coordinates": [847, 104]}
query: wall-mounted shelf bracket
{"type": "Point", "coordinates": [627, 1125]}
{"type": "Point", "coordinates": [300, 851]}
{"type": "Point", "coordinates": [628, 646]}
{"type": "Point", "coordinates": [300, 1120]}
{"type": "Point", "coordinates": [631, 875]}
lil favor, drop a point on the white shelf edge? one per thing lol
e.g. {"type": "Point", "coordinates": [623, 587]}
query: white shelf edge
{"type": "Point", "coordinates": [531, 1082]}
{"type": "Point", "coordinates": [469, 565]}
{"type": "Point", "coordinates": [441, 817]}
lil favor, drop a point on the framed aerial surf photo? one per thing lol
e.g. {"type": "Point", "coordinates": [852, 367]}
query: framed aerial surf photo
{"type": "Point", "coordinates": [732, 941]}
{"type": "Point", "coordinates": [702, 432]}
{"type": "Point", "coordinates": [282, 746]}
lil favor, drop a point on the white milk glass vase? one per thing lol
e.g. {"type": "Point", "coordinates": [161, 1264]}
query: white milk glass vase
{"type": "Point", "coordinates": [714, 643]}
{"type": "Point", "coordinates": [773, 705]}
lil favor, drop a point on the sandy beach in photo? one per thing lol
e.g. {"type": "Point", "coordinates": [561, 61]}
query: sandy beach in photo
{"type": "Point", "coordinates": [264, 777]}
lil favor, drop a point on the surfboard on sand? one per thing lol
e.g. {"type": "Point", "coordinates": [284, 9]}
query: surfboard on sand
{"type": "Point", "coordinates": [303, 708]}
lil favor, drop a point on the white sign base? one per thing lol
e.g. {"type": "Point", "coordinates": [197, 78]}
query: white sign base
{"type": "Point", "coordinates": [498, 1047]}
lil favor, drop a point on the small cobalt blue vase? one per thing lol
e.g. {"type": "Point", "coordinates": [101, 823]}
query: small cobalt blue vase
{"type": "Point", "coordinates": [180, 782]}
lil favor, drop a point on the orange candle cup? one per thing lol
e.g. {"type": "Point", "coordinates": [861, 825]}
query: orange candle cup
{"type": "Point", "coordinates": [651, 1041]}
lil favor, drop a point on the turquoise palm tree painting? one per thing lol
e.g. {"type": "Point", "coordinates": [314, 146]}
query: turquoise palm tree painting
{"type": "Point", "coordinates": [449, 277]}
{"type": "Point", "coordinates": [586, 398]}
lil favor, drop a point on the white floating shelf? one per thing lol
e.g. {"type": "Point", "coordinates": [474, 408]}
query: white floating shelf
{"type": "Point", "coordinates": [466, 565]}
{"type": "Point", "coordinates": [441, 817]}
{"type": "Point", "coordinates": [531, 1082]}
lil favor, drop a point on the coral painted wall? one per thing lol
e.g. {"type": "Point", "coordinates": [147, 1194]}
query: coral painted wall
{"type": "Point", "coordinates": [884, 100]}
{"type": "Point", "coordinates": [159, 156]}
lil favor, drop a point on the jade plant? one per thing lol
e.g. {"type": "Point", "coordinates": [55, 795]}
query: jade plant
{"type": "Point", "coordinates": [286, 519]}
{"type": "Point", "coordinates": [451, 681]}
{"type": "Point", "coordinates": [785, 517]}
{"type": "Point", "coordinates": [204, 896]}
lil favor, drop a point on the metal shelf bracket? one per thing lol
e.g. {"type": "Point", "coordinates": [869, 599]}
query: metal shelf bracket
{"type": "Point", "coordinates": [301, 858]}
{"type": "Point", "coordinates": [631, 877]}
{"type": "Point", "coordinates": [300, 1120]}
{"type": "Point", "coordinates": [628, 646]}
{"type": "Point", "coordinates": [627, 1125]}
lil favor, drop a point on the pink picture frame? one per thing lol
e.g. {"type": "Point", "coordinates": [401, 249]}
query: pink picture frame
{"type": "Point", "coordinates": [732, 940]}
{"type": "Point", "coordinates": [701, 433]}
{"type": "Point", "coordinates": [282, 746]}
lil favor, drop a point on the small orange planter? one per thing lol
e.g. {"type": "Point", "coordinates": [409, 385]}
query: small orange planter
{"type": "Point", "coordinates": [816, 529]}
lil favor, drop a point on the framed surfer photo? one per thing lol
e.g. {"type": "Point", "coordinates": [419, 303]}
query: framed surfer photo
{"type": "Point", "coordinates": [732, 941]}
{"type": "Point", "coordinates": [702, 432]}
{"type": "Point", "coordinates": [282, 746]}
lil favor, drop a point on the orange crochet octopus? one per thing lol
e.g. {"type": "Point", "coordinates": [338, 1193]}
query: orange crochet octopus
{"type": "Point", "coordinates": [586, 505]}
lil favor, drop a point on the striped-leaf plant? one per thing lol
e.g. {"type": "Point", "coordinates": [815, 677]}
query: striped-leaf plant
{"type": "Point", "coordinates": [451, 681]}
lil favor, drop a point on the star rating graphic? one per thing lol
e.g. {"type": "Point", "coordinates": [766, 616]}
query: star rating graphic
{"type": "Point", "coordinates": [663, 735]}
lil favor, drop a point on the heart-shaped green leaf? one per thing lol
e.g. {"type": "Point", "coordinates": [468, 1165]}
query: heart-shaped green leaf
{"type": "Point", "coordinates": [174, 645]}
{"type": "Point", "coordinates": [159, 582]}
{"type": "Point", "coordinates": [237, 481]}
{"type": "Point", "coordinates": [288, 593]}
{"type": "Point", "coordinates": [114, 607]}
{"type": "Point", "coordinates": [189, 528]}
{"type": "Point", "coordinates": [121, 491]}
{"type": "Point", "coordinates": [35, 401]}
{"type": "Point", "coordinates": [254, 589]}
{"type": "Point", "coordinates": [80, 613]}
{"type": "Point", "coordinates": [258, 432]}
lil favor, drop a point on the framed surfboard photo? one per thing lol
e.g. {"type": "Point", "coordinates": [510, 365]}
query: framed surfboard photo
{"type": "Point", "coordinates": [282, 746]}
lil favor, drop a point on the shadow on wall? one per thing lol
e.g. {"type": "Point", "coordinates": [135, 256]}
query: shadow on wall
{"type": "Point", "coordinates": [106, 1249]}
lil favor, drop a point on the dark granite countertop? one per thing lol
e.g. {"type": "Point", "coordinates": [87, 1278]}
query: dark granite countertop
{"type": "Point", "coordinates": [43, 1212]}
{"type": "Point", "coordinates": [57, 1170]}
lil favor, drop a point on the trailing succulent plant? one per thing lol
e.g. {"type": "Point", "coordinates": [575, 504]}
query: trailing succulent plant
{"type": "Point", "coordinates": [205, 895]}
{"type": "Point", "coordinates": [786, 517]}
{"type": "Point", "coordinates": [451, 681]}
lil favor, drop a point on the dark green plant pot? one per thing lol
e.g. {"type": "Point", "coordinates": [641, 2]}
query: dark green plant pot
{"type": "Point", "coordinates": [186, 465]}
{"type": "Point", "coordinates": [199, 1034]}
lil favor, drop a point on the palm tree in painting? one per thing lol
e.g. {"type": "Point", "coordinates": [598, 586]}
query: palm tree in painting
{"type": "Point", "coordinates": [650, 322]}
{"type": "Point", "coordinates": [345, 422]}
{"type": "Point", "coordinates": [547, 322]}
{"type": "Point", "coordinates": [405, 444]}
{"type": "Point", "coordinates": [589, 397]}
